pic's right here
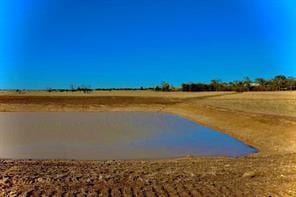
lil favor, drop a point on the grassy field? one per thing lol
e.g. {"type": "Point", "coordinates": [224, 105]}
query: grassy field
{"type": "Point", "coordinates": [120, 93]}
{"type": "Point", "coordinates": [276, 103]}
{"type": "Point", "coordinates": [265, 120]}
{"type": "Point", "coordinates": [95, 101]}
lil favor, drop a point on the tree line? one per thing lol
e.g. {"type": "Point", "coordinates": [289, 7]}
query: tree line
{"type": "Point", "coordinates": [278, 83]}
{"type": "Point", "coordinates": [87, 89]}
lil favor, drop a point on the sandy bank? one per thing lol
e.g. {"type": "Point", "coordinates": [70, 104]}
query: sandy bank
{"type": "Point", "coordinates": [272, 171]}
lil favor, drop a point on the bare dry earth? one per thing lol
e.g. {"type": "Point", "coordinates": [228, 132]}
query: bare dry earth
{"type": "Point", "coordinates": [265, 120]}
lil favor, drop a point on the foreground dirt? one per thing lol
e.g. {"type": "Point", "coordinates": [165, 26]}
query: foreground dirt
{"type": "Point", "coordinates": [250, 176]}
{"type": "Point", "coordinates": [271, 172]}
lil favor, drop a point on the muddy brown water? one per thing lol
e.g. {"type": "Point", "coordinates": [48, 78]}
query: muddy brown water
{"type": "Point", "coordinates": [110, 135]}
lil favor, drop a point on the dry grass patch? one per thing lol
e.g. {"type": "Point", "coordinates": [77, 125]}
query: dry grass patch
{"type": "Point", "coordinates": [121, 93]}
{"type": "Point", "coordinates": [274, 103]}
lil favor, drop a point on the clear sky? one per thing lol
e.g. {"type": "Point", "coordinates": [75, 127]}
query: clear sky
{"type": "Point", "coordinates": [132, 43]}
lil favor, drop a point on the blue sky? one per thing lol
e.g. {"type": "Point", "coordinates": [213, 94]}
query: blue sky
{"type": "Point", "coordinates": [131, 43]}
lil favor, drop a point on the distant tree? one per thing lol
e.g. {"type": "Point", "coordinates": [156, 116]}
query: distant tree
{"type": "Point", "coordinates": [279, 82]}
{"type": "Point", "coordinates": [165, 87]}
{"type": "Point", "coordinates": [157, 88]}
{"type": "Point", "coordinates": [291, 83]}
{"type": "Point", "coordinates": [72, 88]}
{"type": "Point", "coordinates": [262, 84]}
{"type": "Point", "coordinates": [19, 91]}
{"type": "Point", "coordinates": [215, 84]}
{"type": "Point", "coordinates": [260, 81]}
{"type": "Point", "coordinates": [225, 86]}
{"type": "Point", "coordinates": [239, 86]}
{"type": "Point", "coordinates": [185, 87]}
{"type": "Point", "coordinates": [247, 83]}
{"type": "Point", "coordinates": [84, 89]}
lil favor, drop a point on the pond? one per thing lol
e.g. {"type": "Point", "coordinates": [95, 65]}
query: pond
{"type": "Point", "coordinates": [110, 135]}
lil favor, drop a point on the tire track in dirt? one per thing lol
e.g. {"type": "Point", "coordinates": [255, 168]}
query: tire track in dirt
{"type": "Point", "coordinates": [249, 176]}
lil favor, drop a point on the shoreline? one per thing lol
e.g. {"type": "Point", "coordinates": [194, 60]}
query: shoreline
{"type": "Point", "coordinates": [164, 111]}
{"type": "Point", "coordinates": [174, 109]}
{"type": "Point", "coordinates": [271, 171]}
{"type": "Point", "coordinates": [187, 115]}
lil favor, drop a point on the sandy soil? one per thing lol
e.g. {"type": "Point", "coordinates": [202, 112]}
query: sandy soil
{"type": "Point", "coordinates": [268, 126]}
{"type": "Point", "coordinates": [121, 93]}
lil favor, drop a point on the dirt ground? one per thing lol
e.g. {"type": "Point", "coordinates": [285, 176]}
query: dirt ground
{"type": "Point", "coordinates": [265, 120]}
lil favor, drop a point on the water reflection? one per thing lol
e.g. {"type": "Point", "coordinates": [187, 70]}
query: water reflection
{"type": "Point", "coordinates": [109, 135]}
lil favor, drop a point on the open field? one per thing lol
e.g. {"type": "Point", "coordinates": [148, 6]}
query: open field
{"type": "Point", "coordinates": [121, 93]}
{"type": "Point", "coordinates": [95, 101]}
{"type": "Point", "coordinates": [265, 120]}
{"type": "Point", "coordinates": [276, 103]}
